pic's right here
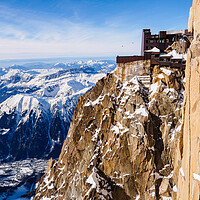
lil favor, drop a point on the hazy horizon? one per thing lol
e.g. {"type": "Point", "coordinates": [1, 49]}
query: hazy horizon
{"type": "Point", "coordinates": [50, 60]}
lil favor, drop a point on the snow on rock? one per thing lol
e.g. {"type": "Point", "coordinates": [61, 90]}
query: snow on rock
{"type": "Point", "coordinates": [175, 55]}
{"type": "Point", "coordinates": [166, 71]}
{"type": "Point", "coordinates": [142, 111]}
{"type": "Point", "coordinates": [97, 101]}
{"type": "Point", "coordinates": [99, 184]}
{"type": "Point", "coordinates": [4, 131]}
{"type": "Point", "coordinates": [51, 91]}
{"type": "Point", "coordinates": [94, 138]}
{"type": "Point", "coordinates": [161, 76]}
{"type": "Point", "coordinates": [178, 129]}
{"type": "Point", "coordinates": [196, 177]}
{"type": "Point", "coordinates": [154, 88]}
{"type": "Point", "coordinates": [115, 128]}
{"type": "Point", "coordinates": [170, 90]}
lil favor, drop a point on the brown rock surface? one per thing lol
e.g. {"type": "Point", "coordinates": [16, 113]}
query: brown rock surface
{"type": "Point", "coordinates": [180, 46]}
{"type": "Point", "coordinates": [127, 142]}
{"type": "Point", "coordinates": [121, 140]}
{"type": "Point", "coordinates": [187, 168]}
{"type": "Point", "coordinates": [194, 19]}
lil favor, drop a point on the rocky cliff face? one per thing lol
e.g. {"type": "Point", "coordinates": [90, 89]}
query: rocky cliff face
{"type": "Point", "coordinates": [121, 141]}
{"type": "Point", "coordinates": [188, 159]}
{"type": "Point", "coordinates": [181, 46]}
{"type": "Point", "coordinates": [194, 20]}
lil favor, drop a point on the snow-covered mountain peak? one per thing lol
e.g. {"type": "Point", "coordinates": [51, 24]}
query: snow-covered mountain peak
{"type": "Point", "coordinates": [37, 104]}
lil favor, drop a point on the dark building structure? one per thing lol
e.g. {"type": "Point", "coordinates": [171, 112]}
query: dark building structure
{"type": "Point", "coordinates": [125, 59]}
{"type": "Point", "coordinates": [161, 40]}
{"type": "Point", "coordinates": [167, 60]}
{"type": "Point", "coordinates": [154, 46]}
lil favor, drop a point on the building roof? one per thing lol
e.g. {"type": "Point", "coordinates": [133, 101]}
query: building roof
{"type": "Point", "coordinates": [177, 32]}
{"type": "Point", "coordinates": [154, 50]}
{"type": "Point", "coordinates": [165, 55]}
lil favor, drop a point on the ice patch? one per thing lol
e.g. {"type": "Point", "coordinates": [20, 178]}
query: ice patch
{"type": "Point", "coordinates": [97, 101]}
{"type": "Point", "coordinates": [95, 136]}
{"type": "Point", "coordinates": [175, 189]}
{"type": "Point", "coordinates": [115, 128]}
{"type": "Point", "coordinates": [166, 198]}
{"type": "Point", "coordinates": [4, 131]}
{"type": "Point", "coordinates": [137, 197]}
{"type": "Point", "coordinates": [172, 90]}
{"type": "Point", "coordinates": [97, 182]}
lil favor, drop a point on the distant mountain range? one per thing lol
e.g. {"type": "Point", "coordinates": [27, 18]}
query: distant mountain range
{"type": "Point", "coordinates": [37, 102]}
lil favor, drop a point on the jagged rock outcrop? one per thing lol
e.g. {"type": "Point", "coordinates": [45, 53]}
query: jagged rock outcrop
{"type": "Point", "coordinates": [187, 167]}
{"type": "Point", "coordinates": [181, 46]}
{"type": "Point", "coordinates": [121, 141]}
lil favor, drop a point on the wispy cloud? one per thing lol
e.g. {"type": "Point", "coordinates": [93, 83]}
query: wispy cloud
{"type": "Point", "coordinates": [83, 27]}
{"type": "Point", "coordinates": [27, 34]}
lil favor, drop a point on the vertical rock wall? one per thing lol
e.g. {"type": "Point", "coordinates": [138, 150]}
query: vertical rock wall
{"type": "Point", "coordinates": [188, 159]}
{"type": "Point", "coordinates": [126, 71]}
{"type": "Point", "coordinates": [194, 19]}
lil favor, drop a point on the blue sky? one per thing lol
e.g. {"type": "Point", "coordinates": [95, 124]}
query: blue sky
{"type": "Point", "coordinates": [57, 28]}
